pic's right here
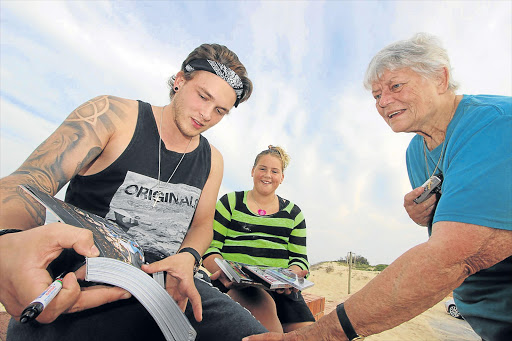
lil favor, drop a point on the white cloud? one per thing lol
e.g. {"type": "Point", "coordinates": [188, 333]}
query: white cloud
{"type": "Point", "coordinates": [22, 132]}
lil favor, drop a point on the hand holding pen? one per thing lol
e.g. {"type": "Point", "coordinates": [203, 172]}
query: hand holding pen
{"type": "Point", "coordinates": [37, 306]}
{"type": "Point", "coordinates": [24, 274]}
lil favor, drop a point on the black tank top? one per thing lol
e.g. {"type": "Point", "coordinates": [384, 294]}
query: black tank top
{"type": "Point", "coordinates": [125, 191]}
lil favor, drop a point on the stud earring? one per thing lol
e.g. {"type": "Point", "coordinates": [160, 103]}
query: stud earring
{"type": "Point", "coordinates": [176, 88]}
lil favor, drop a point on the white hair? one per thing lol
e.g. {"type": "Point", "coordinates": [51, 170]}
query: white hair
{"type": "Point", "coordinates": [422, 53]}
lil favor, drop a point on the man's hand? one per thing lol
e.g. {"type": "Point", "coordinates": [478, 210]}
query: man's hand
{"type": "Point", "coordinates": [423, 213]}
{"type": "Point", "coordinates": [180, 281]}
{"type": "Point", "coordinates": [24, 257]}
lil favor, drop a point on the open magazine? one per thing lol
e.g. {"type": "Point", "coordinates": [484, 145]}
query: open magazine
{"type": "Point", "coordinates": [118, 264]}
{"type": "Point", "coordinates": [270, 278]}
{"type": "Point", "coordinates": [290, 277]}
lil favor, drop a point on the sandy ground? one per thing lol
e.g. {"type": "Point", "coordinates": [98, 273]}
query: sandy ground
{"type": "Point", "coordinates": [331, 282]}
{"type": "Point", "coordinates": [4, 320]}
{"type": "Point", "coordinates": [435, 324]}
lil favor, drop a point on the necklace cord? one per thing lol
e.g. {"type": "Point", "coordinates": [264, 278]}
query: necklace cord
{"type": "Point", "coordinates": [259, 206]}
{"type": "Point", "coordinates": [444, 141]}
{"type": "Point", "coordinates": [156, 198]}
{"type": "Point", "coordinates": [438, 161]}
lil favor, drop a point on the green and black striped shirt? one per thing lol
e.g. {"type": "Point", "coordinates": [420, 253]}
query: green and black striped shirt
{"type": "Point", "coordinates": [240, 235]}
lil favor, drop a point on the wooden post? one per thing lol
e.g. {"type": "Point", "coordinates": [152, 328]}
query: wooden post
{"type": "Point", "coordinates": [349, 259]}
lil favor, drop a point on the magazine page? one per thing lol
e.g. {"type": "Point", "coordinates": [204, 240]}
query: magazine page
{"type": "Point", "coordinates": [110, 239]}
{"type": "Point", "coordinates": [260, 274]}
{"type": "Point", "coordinates": [290, 277]}
{"type": "Point", "coordinates": [235, 274]}
{"type": "Point", "coordinates": [239, 272]}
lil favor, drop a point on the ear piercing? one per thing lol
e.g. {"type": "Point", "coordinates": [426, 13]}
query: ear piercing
{"type": "Point", "coordinates": [175, 88]}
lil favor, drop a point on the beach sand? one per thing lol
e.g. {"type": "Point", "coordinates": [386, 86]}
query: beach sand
{"type": "Point", "coordinates": [435, 324]}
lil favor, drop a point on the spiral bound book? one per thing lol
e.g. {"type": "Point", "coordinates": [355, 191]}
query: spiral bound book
{"type": "Point", "coordinates": [118, 264]}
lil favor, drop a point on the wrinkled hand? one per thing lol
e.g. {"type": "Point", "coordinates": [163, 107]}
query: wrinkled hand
{"type": "Point", "coordinates": [180, 281]}
{"type": "Point", "coordinates": [299, 272]}
{"type": "Point", "coordinates": [423, 213]}
{"type": "Point", "coordinates": [221, 276]}
{"type": "Point", "coordinates": [24, 275]}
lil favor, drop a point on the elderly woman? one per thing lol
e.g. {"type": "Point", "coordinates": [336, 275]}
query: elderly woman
{"type": "Point", "coordinates": [468, 140]}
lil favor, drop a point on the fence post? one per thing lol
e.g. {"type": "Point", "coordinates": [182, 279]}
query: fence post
{"type": "Point", "coordinates": [349, 259]}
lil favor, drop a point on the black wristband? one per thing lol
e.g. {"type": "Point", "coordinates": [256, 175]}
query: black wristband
{"type": "Point", "coordinates": [194, 253]}
{"type": "Point", "coordinates": [6, 231]}
{"type": "Point", "coordinates": [348, 329]}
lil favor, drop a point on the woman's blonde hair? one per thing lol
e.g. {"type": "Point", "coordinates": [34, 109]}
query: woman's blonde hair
{"type": "Point", "coordinates": [276, 151]}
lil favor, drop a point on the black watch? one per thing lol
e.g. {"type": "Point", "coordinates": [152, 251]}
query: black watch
{"type": "Point", "coordinates": [6, 231]}
{"type": "Point", "coordinates": [348, 329]}
{"type": "Point", "coordinates": [196, 255]}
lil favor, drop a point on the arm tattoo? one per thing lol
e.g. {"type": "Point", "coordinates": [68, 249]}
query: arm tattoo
{"type": "Point", "coordinates": [50, 164]}
{"type": "Point", "coordinates": [90, 111]}
{"type": "Point", "coordinates": [84, 133]}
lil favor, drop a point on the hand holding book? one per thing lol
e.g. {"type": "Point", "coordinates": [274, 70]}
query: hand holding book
{"type": "Point", "coordinates": [119, 264]}
{"type": "Point", "coordinates": [28, 276]}
{"type": "Point", "coordinates": [294, 274]}
{"type": "Point", "coordinates": [220, 277]}
{"type": "Point", "coordinates": [270, 278]}
{"type": "Point", "coordinates": [179, 282]}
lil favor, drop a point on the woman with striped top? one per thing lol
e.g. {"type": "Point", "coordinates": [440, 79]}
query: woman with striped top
{"type": "Point", "coordinates": [258, 227]}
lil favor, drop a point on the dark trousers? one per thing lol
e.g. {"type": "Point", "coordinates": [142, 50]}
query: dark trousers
{"type": "Point", "coordinates": [223, 320]}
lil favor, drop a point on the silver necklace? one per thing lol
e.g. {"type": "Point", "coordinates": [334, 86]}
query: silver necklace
{"type": "Point", "coordinates": [260, 210]}
{"type": "Point", "coordinates": [156, 196]}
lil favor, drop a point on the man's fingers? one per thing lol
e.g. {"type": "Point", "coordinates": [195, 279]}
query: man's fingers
{"type": "Point", "coordinates": [80, 239]}
{"type": "Point", "coordinates": [161, 265]}
{"type": "Point", "coordinates": [195, 301]}
{"type": "Point", "coordinates": [66, 297]}
{"type": "Point", "coordinates": [95, 296]}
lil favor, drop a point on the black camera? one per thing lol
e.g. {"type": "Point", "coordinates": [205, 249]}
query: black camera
{"type": "Point", "coordinates": [432, 186]}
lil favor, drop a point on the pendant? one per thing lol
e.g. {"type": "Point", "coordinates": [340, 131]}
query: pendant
{"type": "Point", "coordinates": [262, 212]}
{"type": "Point", "coordinates": [156, 198]}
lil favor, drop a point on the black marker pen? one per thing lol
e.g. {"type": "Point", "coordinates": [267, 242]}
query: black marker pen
{"type": "Point", "coordinates": [36, 306]}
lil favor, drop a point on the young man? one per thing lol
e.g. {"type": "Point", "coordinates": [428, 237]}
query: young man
{"type": "Point", "coordinates": [150, 169]}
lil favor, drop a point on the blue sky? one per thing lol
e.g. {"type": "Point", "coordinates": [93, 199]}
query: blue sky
{"type": "Point", "coordinates": [306, 60]}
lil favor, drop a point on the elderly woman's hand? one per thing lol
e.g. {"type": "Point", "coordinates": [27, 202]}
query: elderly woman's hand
{"type": "Point", "coordinates": [422, 213]}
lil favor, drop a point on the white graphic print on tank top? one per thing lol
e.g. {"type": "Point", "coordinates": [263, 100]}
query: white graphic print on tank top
{"type": "Point", "coordinates": [161, 227]}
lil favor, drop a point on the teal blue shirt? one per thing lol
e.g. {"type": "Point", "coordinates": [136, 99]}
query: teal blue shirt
{"type": "Point", "coordinates": [477, 189]}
